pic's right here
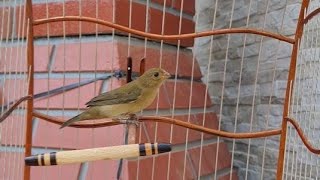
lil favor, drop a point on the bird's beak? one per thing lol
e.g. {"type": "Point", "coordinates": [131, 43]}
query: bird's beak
{"type": "Point", "coordinates": [166, 75]}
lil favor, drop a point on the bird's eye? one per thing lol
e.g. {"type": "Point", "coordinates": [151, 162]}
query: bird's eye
{"type": "Point", "coordinates": [156, 74]}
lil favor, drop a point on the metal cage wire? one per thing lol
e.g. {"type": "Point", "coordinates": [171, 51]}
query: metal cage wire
{"type": "Point", "coordinates": [300, 104]}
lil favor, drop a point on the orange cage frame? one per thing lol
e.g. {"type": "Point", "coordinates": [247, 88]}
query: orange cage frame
{"type": "Point", "coordinates": [302, 20]}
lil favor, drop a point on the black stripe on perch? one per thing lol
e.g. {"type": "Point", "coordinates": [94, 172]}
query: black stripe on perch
{"type": "Point", "coordinates": [94, 154]}
{"type": "Point", "coordinates": [42, 159]}
{"type": "Point", "coordinates": [153, 149]}
{"type": "Point", "coordinates": [162, 148]}
{"type": "Point", "coordinates": [32, 161]}
{"type": "Point", "coordinates": [142, 150]}
{"type": "Point", "coordinates": [53, 160]}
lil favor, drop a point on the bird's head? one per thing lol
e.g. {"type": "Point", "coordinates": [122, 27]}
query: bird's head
{"type": "Point", "coordinates": [154, 77]}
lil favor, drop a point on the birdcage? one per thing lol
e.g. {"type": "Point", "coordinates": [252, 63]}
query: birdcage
{"type": "Point", "coordinates": [241, 101]}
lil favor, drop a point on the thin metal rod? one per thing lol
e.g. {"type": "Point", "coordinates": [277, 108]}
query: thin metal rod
{"type": "Point", "coordinates": [302, 136]}
{"type": "Point", "coordinates": [131, 128]}
{"type": "Point", "coordinates": [129, 69]}
{"type": "Point", "coordinates": [291, 76]}
{"type": "Point", "coordinates": [166, 37]}
{"type": "Point", "coordinates": [109, 122]}
{"type": "Point", "coordinates": [13, 107]}
{"type": "Point", "coordinates": [311, 15]}
{"type": "Point", "coordinates": [30, 60]}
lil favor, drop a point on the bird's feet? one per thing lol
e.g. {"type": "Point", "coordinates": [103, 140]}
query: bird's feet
{"type": "Point", "coordinates": [127, 119]}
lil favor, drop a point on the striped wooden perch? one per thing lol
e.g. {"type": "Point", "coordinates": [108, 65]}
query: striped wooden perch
{"type": "Point", "coordinates": [94, 154]}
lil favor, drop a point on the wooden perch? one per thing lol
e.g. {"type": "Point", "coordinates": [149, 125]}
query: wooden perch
{"type": "Point", "coordinates": [94, 154]}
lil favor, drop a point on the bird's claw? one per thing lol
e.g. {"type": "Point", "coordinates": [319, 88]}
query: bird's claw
{"type": "Point", "coordinates": [130, 119]}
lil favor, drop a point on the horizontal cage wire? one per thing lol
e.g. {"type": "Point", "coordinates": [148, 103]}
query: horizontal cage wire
{"type": "Point", "coordinates": [241, 101]}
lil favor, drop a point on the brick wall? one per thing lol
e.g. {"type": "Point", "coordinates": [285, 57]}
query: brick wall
{"type": "Point", "coordinates": [61, 61]}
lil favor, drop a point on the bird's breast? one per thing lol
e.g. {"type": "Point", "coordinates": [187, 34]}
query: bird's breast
{"type": "Point", "coordinates": [146, 98]}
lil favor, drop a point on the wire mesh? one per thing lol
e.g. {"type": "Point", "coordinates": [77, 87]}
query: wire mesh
{"type": "Point", "coordinates": [242, 88]}
{"type": "Point", "coordinates": [14, 85]}
{"type": "Point", "coordinates": [304, 104]}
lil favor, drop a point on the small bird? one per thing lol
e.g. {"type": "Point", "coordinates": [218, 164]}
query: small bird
{"type": "Point", "coordinates": [125, 100]}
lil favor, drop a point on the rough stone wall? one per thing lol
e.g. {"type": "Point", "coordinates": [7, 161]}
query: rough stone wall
{"type": "Point", "coordinates": [64, 57]}
{"type": "Point", "coordinates": [246, 74]}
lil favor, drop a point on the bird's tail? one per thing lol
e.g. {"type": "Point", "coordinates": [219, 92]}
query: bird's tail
{"type": "Point", "coordinates": [72, 120]}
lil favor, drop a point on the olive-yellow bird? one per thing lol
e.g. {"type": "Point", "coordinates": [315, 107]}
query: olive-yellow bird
{"type": "Point", "coordinates": [127, 99]}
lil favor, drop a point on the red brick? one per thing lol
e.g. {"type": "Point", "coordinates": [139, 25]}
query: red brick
{"type": "Point", "coordinates": [58, 138]}
{"type": "Point", "coordinates": [11, 165]}
{"type": "Point", "coordinates": [227, 177]}
{"type": "Point", "coordinates": [145, 168]}
{"type": "Point", "coordinates": [153, 55]}
{"type": "Point", "coordinates": [13, 59]}
{"type": "Point", "coordinates": [93, 57]}
{"type": "Point", "coordinates": [42, 57]}
{"type": "Point", "coordinates": [6, 14]}
{"type": "Point", "coordinates": [161, 2]}
{"type": "Point", "coordinates": [105, 169]}
{"type": "Point", "coordinates": [69, 171]}
{"type": "Point", "coordinates": [17, 56]}
{"type": "Point", "coordinates": [161, 166]}
{"type": "Point", "coordinates": [72, 9]}
{"type": "Point", "coordinates": [209, 154]}
{"type": "Point", "coordinates": [101, 137]}
{"type": "Point", "coordinates": [155, 20]}
{"type": "Point", "coordinates": [188, 6]}
{"type": "Point", "coordinates": [143, 138]}
{"type": "Point", "coordinates": [171, 26]}
{"type": "Point", "coordinates": [19, 26]}
{"type": "Point", "coordinates": [105, 10]}
{"type": "Point", "coordinates": [73, 138]}
{"type": "Point", "coordinates": [183, 91]}
{"type": "Point", "coordinates": [105, 56]}
{"type": "Point", "coordinates": [14, 89]}
{"type": "Point", "coordinates": [70, 99]}
{"type": "Point", "coordinates": [163, 135]}
{"type": "Point", "coordinates": [178, 133]}
{"type": "Point", "coordinates": [182, 95]}
{"type": "Point", "coordinates": [211, 121]}
{"type": "Point", "coordinates": [11, 130]}
{"type": "Point", "coordinates": [137, 16]}
{"type": "Point", "coordinates": [162, 102]}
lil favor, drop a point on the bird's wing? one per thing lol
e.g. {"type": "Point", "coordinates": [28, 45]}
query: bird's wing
{"type": "Point", "coordinates": [124, 94]}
